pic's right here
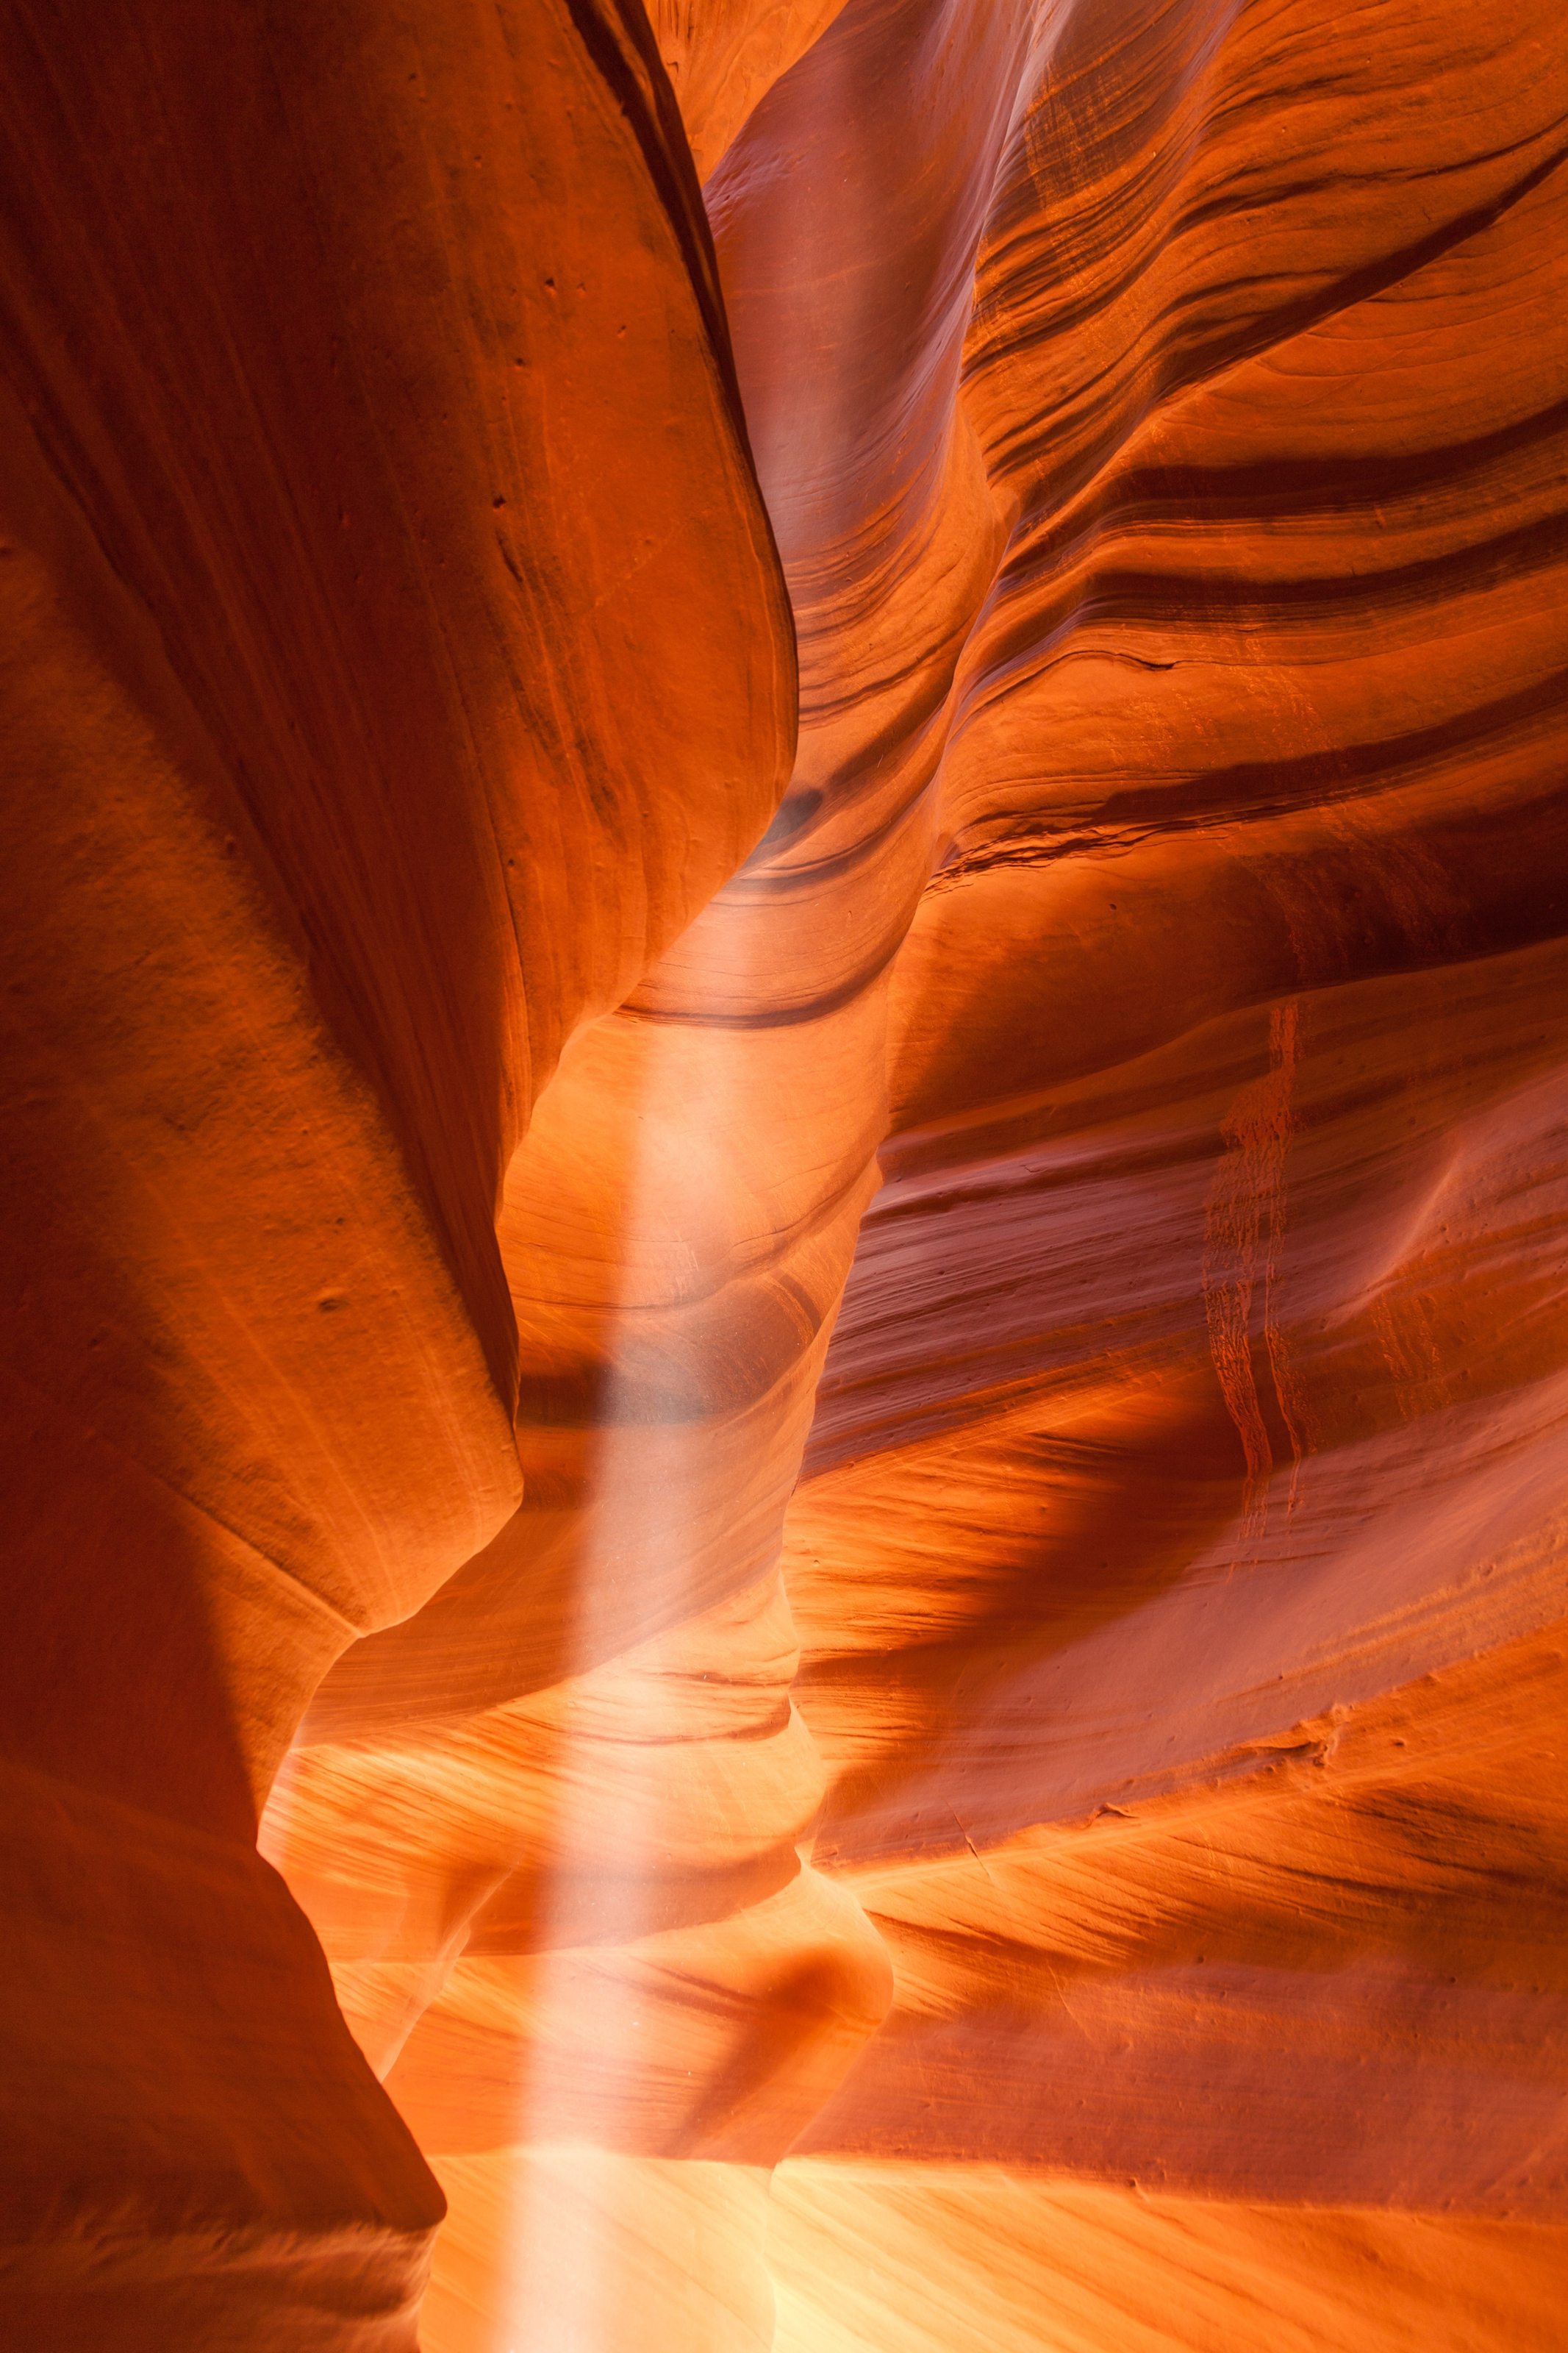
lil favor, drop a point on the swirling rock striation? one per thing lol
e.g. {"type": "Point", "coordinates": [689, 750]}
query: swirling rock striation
{"type": "Point", "coordinates": [1179, 1556]}
{"type": "Point", "coordinates": [1060, 1747]}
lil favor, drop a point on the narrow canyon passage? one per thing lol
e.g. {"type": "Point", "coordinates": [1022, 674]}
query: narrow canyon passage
{"type": "Point", "coordinates": [787, 915]}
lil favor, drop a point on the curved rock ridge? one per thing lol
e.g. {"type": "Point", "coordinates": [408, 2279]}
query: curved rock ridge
{"type": "Point", "coordinates": [606, 1995]}
{"type": "Point", "coordinates": [1179, 1557]}
{"type": "Point", "coordinates": [395, 658]}
{"type": "Point", "coordinates": [723, 57]}
{"type": "Point", "coordinates": [1019, 1697]}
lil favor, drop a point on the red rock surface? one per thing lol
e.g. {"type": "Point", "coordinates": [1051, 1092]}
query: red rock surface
{"type": "Point", "coordinates": [1013, 1669]}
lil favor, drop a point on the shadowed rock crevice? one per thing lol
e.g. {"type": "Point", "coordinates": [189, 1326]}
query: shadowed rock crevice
{"type": "Point", "coordinates": [785, 933]}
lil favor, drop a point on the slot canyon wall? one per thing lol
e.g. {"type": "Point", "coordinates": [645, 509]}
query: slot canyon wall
{"type": "Point", "coordinates": [786, 922]}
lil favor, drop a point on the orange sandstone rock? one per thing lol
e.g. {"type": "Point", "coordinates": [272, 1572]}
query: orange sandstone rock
{"type": "Point", "coordinates": [723, 56]}
{"type": "Point", "coordinates": [1059, 1750]}
{"type": "Point", "coordinates": [395, 660]}
{"type": "Point", "coordinates": [1178, 1560]}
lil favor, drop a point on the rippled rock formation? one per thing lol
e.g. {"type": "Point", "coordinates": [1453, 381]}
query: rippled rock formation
{"type": "Point", "coordinates": [787, 1042]}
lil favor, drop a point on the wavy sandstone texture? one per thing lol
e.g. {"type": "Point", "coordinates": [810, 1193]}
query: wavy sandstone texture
{"type": "Point", "coordinates": [864, 1463]}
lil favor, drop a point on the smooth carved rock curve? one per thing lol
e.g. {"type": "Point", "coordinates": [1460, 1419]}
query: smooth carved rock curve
{"type": "Point", "coordinates": [785, 951]}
